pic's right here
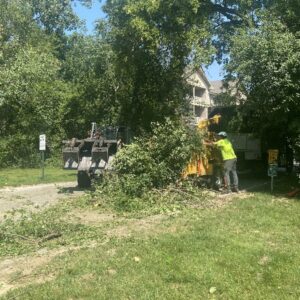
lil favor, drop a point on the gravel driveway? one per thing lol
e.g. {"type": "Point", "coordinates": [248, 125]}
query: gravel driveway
{"type": "Point", "coordinates": [35, 197]}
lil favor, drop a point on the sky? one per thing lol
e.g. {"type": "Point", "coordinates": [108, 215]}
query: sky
{"type": "Point", "coordinates": [90, 15]}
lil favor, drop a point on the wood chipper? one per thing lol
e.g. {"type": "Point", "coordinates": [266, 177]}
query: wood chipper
{"type": "Point", "coordinates": [93, 155]}
{"type": "Point", "coordinates": [206, 168]}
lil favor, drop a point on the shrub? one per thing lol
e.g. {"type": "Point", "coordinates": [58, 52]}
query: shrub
{"type": "Point", "coordinates": [21, 151]}
{"type": "Point", "coordinates": [156, 160]}
{"type": "Point", "coordinates": [18, 151]}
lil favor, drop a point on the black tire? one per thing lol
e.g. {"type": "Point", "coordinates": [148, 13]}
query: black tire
{"type": "Point", "coordinates": [216, 183]}
{"type": "Point", "coordinates": [83, 179]}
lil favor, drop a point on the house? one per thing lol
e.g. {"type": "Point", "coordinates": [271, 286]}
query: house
{"type": "Point", "coordinates": [203, 94]}
{"type": "Point", "coordinates": [218, 87]}
{"type": "Point", "coordinates": [199, 97]}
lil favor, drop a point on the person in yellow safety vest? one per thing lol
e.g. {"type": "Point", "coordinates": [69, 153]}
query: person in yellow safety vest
{"type": "Point", "coordinates": [229, 161]}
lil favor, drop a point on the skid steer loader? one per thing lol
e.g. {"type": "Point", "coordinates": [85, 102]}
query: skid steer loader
{"type": "Point", "coordinates": [94, 155]}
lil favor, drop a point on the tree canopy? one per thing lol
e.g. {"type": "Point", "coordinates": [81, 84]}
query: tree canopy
{"type": "Point", "coordinates": [57, 80]}
{"type": "Point", "coordinates": [265, 64]}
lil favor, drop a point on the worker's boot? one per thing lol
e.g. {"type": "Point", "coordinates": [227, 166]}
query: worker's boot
{"type": "Point", "coordinates": [226, 190]}
{"type": "Point", "coordinates": [235, 189]}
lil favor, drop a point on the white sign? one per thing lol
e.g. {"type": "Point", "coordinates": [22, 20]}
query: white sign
{"type": "Point", "coordinates": [42, 142]}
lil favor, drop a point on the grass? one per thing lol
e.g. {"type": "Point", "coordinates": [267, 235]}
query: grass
{"type": "Point", "coordinates": [30, 231]}
{"type": "Point", "coordinates": [17, 176]}
{"type": "Point", "coordinates": [247, 249]}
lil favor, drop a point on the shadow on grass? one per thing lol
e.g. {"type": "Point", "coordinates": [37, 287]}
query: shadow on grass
{"type": "Point", "coordinates": [284, 185]}
{"type": "Point", "coordinates": [72, 189]}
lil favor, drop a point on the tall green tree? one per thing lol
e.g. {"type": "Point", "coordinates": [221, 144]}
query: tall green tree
{"type": "Point", "coordinates": [23, 21]}
{"type": "Point", "coordinates": [89, 67]}
{"type": "Point", "coordinates": [154, 41]}
{"type": "Point", "coordinates": [31, 100]}
{"type": "Point", "coordinates": [265, 62]}
{"type": "Point", "coordinates": [32, 91]}
{"type": "Point", "coordinates": [287, 11]}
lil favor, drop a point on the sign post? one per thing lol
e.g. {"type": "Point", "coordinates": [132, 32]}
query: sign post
{"type": "Point", "coordinates": [42, 147]}
{"type": "Point", "coordinates": [273, 165]}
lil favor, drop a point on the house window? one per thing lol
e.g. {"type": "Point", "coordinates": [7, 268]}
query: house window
{"type": "Point", "coordinates": [198, 111]}
{"type": "Point", "coordinates": [199, 92]}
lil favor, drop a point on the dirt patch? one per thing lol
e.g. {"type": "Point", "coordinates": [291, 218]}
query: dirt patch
{"type": "Point", "coordinates": [35, 197]}
{"type": "Point", "coordinates": [23, 270]}
{"type": "Point", "coordinates": [217, 200]}
{"type": "Point", "coordinates": [127, 227]}
{"type": "Point", "coordinates": [89, 217]}
{"type": "Point", "coordinates": [224, 200]}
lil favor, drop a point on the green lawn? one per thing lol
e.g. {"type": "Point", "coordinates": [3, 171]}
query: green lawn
{"type": "Point", "coordinates": [247, 248]}
{"type": "Point", "coordinates": [16, 176]}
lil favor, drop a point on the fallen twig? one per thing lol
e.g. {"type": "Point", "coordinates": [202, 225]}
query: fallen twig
{"type": "Point", "coordinates": [41, 240]}
{"type": "Point", "coordinates": [49, 237]}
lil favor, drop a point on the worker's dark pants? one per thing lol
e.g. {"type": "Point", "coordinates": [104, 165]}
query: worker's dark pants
{"type": "Point", "coordinates": [230, 167]}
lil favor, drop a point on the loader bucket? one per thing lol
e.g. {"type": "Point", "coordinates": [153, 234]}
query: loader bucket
{"type": "Point", "coordinates": [70, 158]}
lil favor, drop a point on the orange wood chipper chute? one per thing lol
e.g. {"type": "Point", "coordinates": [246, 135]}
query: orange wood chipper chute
{"type": "Point", "coordinates": [203, 165]}
{"type": "Point", "coordinates": [199, 166]}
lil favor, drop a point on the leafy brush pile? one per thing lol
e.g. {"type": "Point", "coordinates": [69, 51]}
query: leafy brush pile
{"type": "Point", "coordinates": [149, 170]}
{"type": "Point", "coordinates": [171, 199]}
{"type": "Point", "coordinates": [31, 231]}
